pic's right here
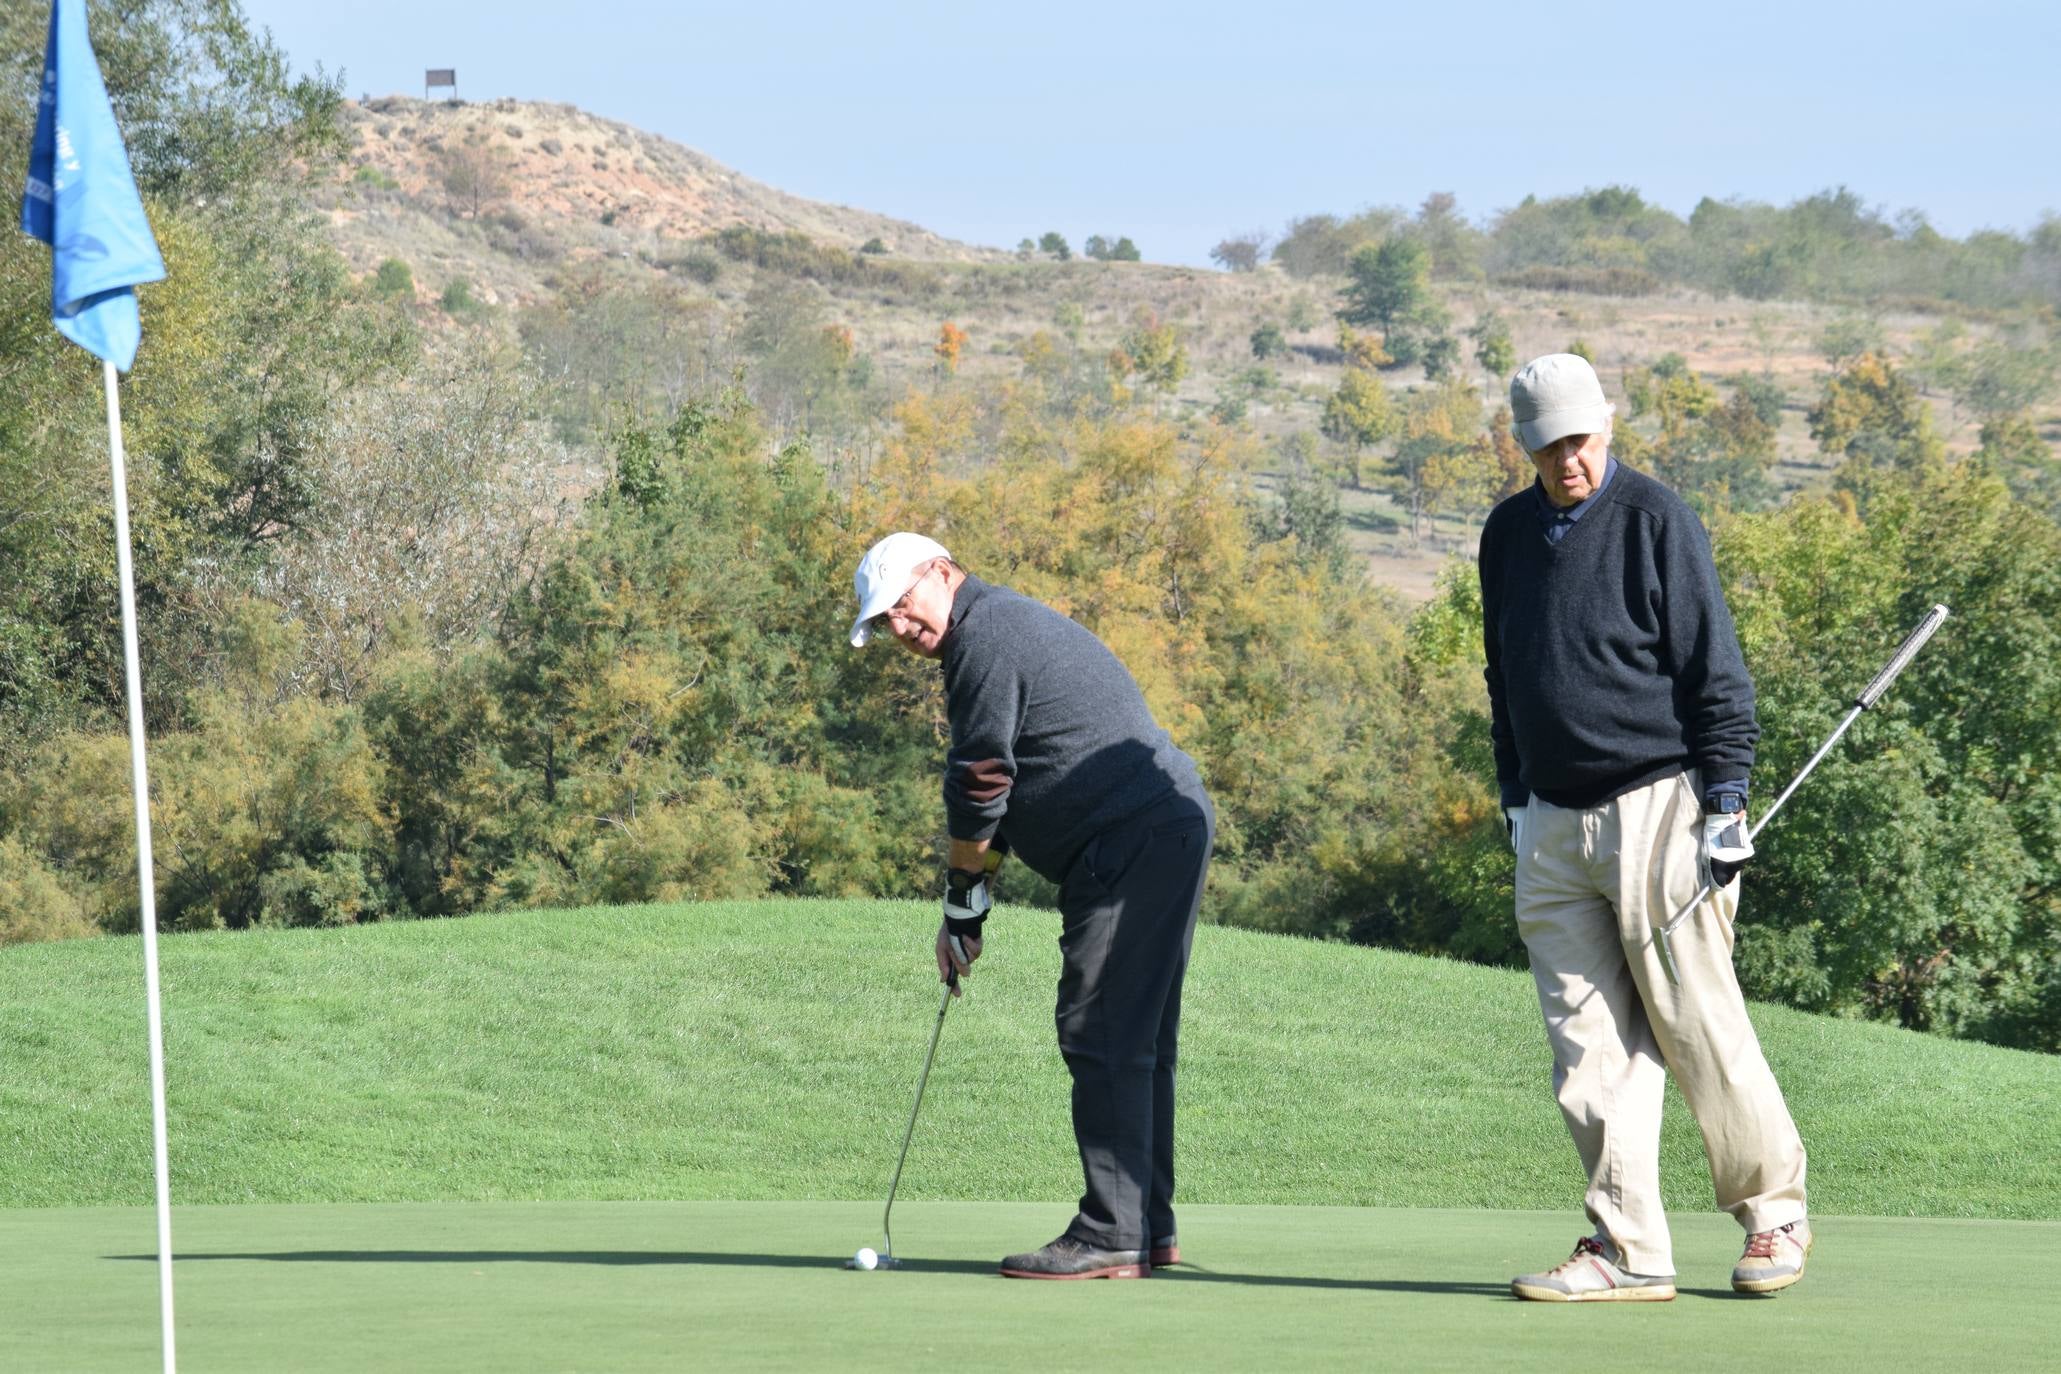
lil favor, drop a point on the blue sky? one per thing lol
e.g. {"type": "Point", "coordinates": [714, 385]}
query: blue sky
{"type": "Point", "coordinates": [1178, 124]}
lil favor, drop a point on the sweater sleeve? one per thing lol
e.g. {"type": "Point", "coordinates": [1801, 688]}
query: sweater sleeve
{"type": "Point", "coordinates": [1510, 791]}
{"type": "Point", "coordinates": [1713, 693]}
{"type": "Point", "coordinates": [984, 701]}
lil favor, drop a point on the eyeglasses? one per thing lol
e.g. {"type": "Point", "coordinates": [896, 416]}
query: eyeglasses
{"type": "Point", "coordinates": [879, 622]}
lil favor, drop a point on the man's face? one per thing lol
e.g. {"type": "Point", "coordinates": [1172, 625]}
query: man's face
{"type": "Point", "coordinates": [919, 620]}
{"type": "Point", "coordinates": [1570, 468]}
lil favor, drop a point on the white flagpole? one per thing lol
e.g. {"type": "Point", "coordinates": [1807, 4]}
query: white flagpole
{"type": "Point", "coordinates": [141, 783]}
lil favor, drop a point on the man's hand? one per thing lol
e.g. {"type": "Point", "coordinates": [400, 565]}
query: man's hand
{"type": "Point", "coordinates": [1725, 849]}
{"type": "Point", "coordinates": [967, 903]}
{"type": "Point", "coordinates": [955, 956]}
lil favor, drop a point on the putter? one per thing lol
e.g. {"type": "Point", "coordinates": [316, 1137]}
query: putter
{"type": "Point", "coordinates": [1872, 693]}
{"type": "Point", "coordinates": [887, 1238]}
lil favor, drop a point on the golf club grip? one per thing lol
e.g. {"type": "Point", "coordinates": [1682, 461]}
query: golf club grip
{"type": "Point", "coordinates": [1872, 693]}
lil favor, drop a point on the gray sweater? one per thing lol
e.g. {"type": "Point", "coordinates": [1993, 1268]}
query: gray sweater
{"type": "Point", "coordinates": [1028, 687]}
{"type": "Point", "coordinates": [1612, 661]}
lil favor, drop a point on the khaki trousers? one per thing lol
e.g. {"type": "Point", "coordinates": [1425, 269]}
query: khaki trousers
{"type": "Point", "coordinates": [1591, 887]}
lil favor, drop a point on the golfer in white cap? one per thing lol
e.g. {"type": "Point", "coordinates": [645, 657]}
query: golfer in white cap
{"type": "Point", "coordinates": [1623, 723]}
{"type": "Point", "coordinates": [1055, 755]}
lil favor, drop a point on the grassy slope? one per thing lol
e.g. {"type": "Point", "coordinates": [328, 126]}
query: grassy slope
{"type": "Point", "coordinates": [768, 1050]}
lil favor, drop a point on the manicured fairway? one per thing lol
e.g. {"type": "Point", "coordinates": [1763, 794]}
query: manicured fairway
{"type": "Point", "coordinates": [650, 1286]}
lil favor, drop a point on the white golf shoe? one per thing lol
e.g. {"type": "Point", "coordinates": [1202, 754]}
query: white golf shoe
{"type": "Point", "coordinates": [1591, 1274]}
{"type": "Point", "coordinates": [1773, 1259]}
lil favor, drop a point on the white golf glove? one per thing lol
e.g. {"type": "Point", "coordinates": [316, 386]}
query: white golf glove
{"type": "Point", "coordinates": [968, 899]}
{"type": "Point", "coordinates": [1513, 824]}
{"type": "Point", "coordinates": [1725, 848]}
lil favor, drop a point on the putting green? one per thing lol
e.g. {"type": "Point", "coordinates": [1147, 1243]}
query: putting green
{"type": "Point", "coordinates": [635, 1286]}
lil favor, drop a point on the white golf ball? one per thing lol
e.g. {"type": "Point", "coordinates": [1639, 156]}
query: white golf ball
{"type": "Point", "coordinates": [866, 1259]}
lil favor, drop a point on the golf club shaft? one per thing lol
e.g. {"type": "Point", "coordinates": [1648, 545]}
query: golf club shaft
{"type": "Point", "coordinates": [1872, 693]}
{"type": "Point", "coordinates": [908, 1132]}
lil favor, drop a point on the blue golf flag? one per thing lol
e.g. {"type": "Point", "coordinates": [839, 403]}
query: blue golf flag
{"type": "Point", "coordinates": [81, 200]}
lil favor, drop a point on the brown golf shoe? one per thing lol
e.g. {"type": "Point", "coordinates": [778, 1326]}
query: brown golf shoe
{"type": "Point", "coordinates": [1072, 1258]}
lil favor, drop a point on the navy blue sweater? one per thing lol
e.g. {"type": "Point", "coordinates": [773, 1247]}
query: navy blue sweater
{"type": "Point", "coordinates": [1028, 687]}
{"type": "Point", "coordinates": [1612, 660]}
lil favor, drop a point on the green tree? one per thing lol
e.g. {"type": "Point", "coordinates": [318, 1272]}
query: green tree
{"type": "Point", "coordinates": [1494, 352]}
{"type": "Point", "coordinates": [1154, 352]}
{"type": "Point", "coordinates": [1358, 415]}
{"type": "Point", "coordinates": [1436, 457]}
{"type": "Point", "coordinates": [1054, 243]}
{"type": "Point", "coordinates": [1123, 250]}
{"type": "Point", "coordinates": [1387, 284]}
{"type": "Point", "coordinates": [1240, 252]}
{"type": "Point", "coordinates": [1268, 342]}
{"type": "Point", "coordinates": [1871, 416]}
{"type": "Point", "coordinates": [2013, 451]}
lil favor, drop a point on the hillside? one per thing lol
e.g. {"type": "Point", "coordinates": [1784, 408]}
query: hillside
{"type": "Point", "coordinates": [539, 210]}
{"type": "Point", "coordinates": [767, 1050]}
{"type": "Point", "coordinates": [423, 173]}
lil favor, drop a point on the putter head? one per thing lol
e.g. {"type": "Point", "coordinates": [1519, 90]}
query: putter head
{"type": "Point", "coordinates": [884, 1262]}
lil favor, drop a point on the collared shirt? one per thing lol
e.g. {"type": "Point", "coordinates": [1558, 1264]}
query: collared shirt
{"type": "Point", "coordinates": [1559, 520]}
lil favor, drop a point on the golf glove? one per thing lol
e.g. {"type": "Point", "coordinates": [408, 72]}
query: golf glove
{"type": "Point", "coordinates": [1513, 825]}
{"type": "Point", "coordinates": [1725, 849]}
{"type": "Point", "coordinates": [968, 899]}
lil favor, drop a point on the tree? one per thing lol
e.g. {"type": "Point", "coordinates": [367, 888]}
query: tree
{"type": "Point", "coordinates": [2013, 451]}
{"type": "Point", "coordinates": [1358, 415]}
{"type": "Point", "coordinates": [1054, 243]}
{"type": "Point", "coordinates": [1493, 350]}
{"type": "Point", "coordinates": [873, 246]}
{"type": "Point", "coordinates": [1153, 352]}
{"type": "Point", "coordinates": [1097, 248]}
{"type": "Point", "coordinates": [1386, 285]}
{"type": "Point", "coordinates": [1872, 416]}
{"type": "Point", "coordinates": [950, 340]}
{"type": "Point", "coordinates": [1267, 342]}
{"type": "Point", "coordinates": [1462, 478]}
{"type": "Point", "coordinates": [1454, 246]}
{"type": "Point", "coordinates": [1240, 252]}
{"type": "Point", "coordinates": [1999, 379]}
{"type": "Point", "coordinates": [1439, 424]}
{"type": "Point", "coordinates": [1123, 250]}
{"type": "Point", "coordinates": [475, 175]}
{"type": "Point", "coordinates": [1847, 337]}
{"type": "Point", "coordinates": [1441, 356]}
{"type": "Point", "coordinates": [1512, 462]}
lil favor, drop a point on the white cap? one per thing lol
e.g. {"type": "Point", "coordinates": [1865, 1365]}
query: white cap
{"type": "Point", "coordinates": [887, 571]}
{"type": "Point", "coordinates": [1555, 396]}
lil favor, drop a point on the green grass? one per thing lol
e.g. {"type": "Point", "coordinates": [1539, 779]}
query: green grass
{"type": "Point", "coordinates": [751, 1286]}
{"type": "Point", "coordinates": [766, 1051]}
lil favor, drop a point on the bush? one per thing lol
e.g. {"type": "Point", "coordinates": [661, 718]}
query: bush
{"type": "Point", "coordinates": [393, 278]}
{"type": "Point", "coordinates": [458, 298]}
{"type": "Point", "coordinates": [1594, 281]}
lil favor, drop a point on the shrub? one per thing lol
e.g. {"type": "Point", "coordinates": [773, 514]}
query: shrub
{"type": "Point", "coordinates": [393, 278]}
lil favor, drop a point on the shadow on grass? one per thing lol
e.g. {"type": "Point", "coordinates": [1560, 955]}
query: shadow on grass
{"type": "Point", "coordinates": [1187, 1273]}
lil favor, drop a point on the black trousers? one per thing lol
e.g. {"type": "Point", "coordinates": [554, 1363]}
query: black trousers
{"type": "Point", "coordinates": [1128, 909]}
